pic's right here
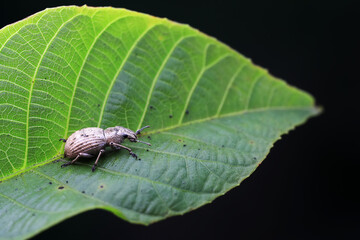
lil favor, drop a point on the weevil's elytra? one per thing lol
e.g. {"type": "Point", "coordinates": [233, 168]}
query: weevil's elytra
{"type": "Point", "coordinates": [91, 142]}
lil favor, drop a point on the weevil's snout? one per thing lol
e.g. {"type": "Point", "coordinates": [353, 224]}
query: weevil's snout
{"type": "Point", "coordinates": [127, 133]}
{"type": "Point", "coordinates": [132, 137]}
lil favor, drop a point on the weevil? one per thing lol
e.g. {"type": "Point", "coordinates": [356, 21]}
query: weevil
{"type": "Point", "coordinates": [91, 142]}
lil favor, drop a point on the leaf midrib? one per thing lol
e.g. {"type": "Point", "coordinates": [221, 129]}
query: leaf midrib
{"type": "Point", "coordinates": [233, 114]}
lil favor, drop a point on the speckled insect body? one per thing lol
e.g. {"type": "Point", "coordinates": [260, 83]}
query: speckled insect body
{"type": "Point", "coordinates": [91, 142]}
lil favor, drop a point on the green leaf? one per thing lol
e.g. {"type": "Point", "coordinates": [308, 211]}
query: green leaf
{"type": "Point", "coordinates": [213, 114]}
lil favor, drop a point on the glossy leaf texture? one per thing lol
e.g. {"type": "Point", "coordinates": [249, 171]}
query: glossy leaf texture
{"type": "Point", "coordinates": [213, 114]}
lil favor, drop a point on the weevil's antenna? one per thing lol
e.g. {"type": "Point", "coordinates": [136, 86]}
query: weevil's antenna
{"type": "Point", "coordinates": [143, 142]}
{"type": "Point", "coordinates": [138, 131]}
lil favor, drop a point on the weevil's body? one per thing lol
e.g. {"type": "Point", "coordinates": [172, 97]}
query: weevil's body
{"type": "Point", "coordinates": [87, 140]}
{"type": "Point", "coordinates": [91, 142]}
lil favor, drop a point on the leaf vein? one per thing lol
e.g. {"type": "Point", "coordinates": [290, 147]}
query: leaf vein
{"type": "Point", "coordinates": [260, 75]}
{"type": "Point", "coordinates": [118, 72]}
{"type": "Point", "coordinates": [32, 86]}
{"type": "Point", "coordinates": [197, 80]}
{"type": "Point", "coordinates": [229, 86]}
{"type": "Point", "coordinates": [157, 77]}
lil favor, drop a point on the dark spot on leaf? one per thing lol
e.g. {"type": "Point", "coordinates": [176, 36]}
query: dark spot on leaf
{"type": "Point", "coordinates": [50, 182]}
{"type": "Point", "coordinates": [92, 194]}
{"type": "Point", "coordinates": [179, 140]}
{"type": "Point", "coordinates": [16, 189]}
{"type": "Point", "coordinates": [101, 186]}
{"type": "Point", "coordinates": [222, 146]}
{"type": "Point", "coordinates": [199, 149]}
{"type": "Point", "coordinates": [67, 182]}
{"type": "Point", "coordinates": [33, 214]}
{"type": "Point", "coordinates": [184, 145]}
{"type": "Point", "coordinates": [83, 191]}
{"type": "Point", "coordinates": [170, 116]}
{"type": "Point", "coordinates": [61, 187]}
{"type": "Point", "coordinates": [151, 107]}
{"type": "Point", "coordinates": [149, 137]}
{"type": "Point", "coordinates": [187, 112]}
{"type": "Point", "coordinates": [98, 105]}
{"type": "Point", "coordinates": [254, 158]}
{"type": "Point", "coordinates": [147, 150]}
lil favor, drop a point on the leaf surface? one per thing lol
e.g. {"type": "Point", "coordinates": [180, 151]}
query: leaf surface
{"type": "Point", "coordinates": [213, 114]}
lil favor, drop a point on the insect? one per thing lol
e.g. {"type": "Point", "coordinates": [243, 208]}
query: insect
{"type": "Point", "coordinates": [89, 142]}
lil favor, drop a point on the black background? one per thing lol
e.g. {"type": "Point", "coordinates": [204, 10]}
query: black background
{"type": "Point", "coordinates": [308, 186]}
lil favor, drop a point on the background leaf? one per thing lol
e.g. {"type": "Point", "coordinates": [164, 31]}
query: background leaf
{"type": "Point", "coordinates": [214, 116]}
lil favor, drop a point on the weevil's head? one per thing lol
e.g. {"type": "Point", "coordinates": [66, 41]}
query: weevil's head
{"type": "Point", "coordinates": [126, 133]}
{"type": "Point", "coordinates": [118, 134]}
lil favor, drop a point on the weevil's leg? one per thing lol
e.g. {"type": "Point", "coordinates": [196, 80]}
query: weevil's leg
{"type": "Point", "coordinates": [115, 147]}
{"type": "Point", "coordinates": [112, 144]}
{"type": "Point", "coordinates": [70, 162]}
{"type": "Point", "coordinates": [97, 159]}
{"type": "Point", "coordinates": [139, 130]}
{"type": "Point", "coordinates": [86, 155]}
{"type": "Point", "coordinates": [62, 139]}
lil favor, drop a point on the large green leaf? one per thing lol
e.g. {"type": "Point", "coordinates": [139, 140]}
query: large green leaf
{"type": "Point", "coordinates": [213, 114]}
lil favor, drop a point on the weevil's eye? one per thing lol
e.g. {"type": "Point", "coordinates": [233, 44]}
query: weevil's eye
{"type": "Point", "coordinates": [125, 135]}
